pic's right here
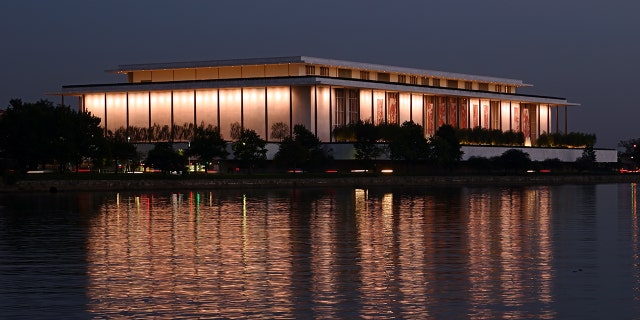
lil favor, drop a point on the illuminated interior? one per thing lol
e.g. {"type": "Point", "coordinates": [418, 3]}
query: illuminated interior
{"type": "Point", "coordinates": [168, 100]}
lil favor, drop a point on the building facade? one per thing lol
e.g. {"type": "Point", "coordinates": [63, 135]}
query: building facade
{"type": "Point", "coordinates": [164, 101]}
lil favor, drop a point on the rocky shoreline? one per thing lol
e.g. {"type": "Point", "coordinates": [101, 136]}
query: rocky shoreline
{"type": "Point", "coordinates": [288, 182]}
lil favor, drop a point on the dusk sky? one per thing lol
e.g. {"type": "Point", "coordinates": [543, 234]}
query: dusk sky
{"type": "Point", "coordinates": [587, 51]}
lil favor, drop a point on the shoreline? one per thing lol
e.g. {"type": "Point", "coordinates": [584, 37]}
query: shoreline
{"type": "Point", "coordinates": [74, 185]}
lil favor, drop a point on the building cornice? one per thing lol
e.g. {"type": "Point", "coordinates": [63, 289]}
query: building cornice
{"type": "Point", "coordinates": [302, 81]}
{"type": "Point", "coordinates": [315, 61]}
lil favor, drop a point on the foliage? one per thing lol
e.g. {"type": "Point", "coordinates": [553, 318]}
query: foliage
{"type": "Point", "coordinates": [165, 158]}
{"type": "Point", "coordinates": [291, 154]}
{"type": "Point", "coordinates": [138, 134]}
{"type": "Point", "coordinates": [78, 136]}
{"type": "Point", "coordinates": [182, 132]}
{"type": "Point", "coordinates": [482, 136]}
{"type": "Point", "coordinates": [160, 133]}
{"type": "Point", "coordinates": [587, 161]}
{"type": "Point", "coordinates": [406, 142]}
{"type": "Point", "coordinates": [345, 133]}
{"type": "Point", "coordinates": [303, 150]}
{"type": "Point", "coordinates": [571, 139]}
{"type": "Point", "coordinates": [552, 163]}
{"type": "Point", "coordinates": [480, 164]}
{"type": "Point", "coordinates": [318, 156]}
{"type": "Point", "coordinates": [306, 137]}
{"type": "Point", "coordinates": [33, 134]}
{"type": "Point", "coordinates": [496, 137]}
{"type": "Point", "coordinates": [207, 144]}
{"type": "Point", "coordinates": [514, 160]}
{"type": "Point", "coordinates": [279, 131]}
{"type": "Point", "coordinates": [446, 150]}
{"type": "Point", "coordinates": [119, 149]}
{"type": "Point", "coordinates": [631, 153]}
{"type": "Point", "coordinates": [249, 148]}
{"type": "Point", "coordinates": [367, 135]}
{"type": "Point", "coordinates": [518, 161]}
{"type": "Point", "coordinates": [236, 131]}
{"type": "Point", "coordinates": [588, 155]}
{"type": "Point", "coordinates": [25, 133]}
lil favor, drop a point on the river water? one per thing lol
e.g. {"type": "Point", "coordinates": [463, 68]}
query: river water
{"type": "Point", "coordinates": [537, 252]}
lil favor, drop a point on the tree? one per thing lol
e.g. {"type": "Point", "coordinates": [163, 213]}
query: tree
{"type": "Point", "coordinates": [33, 134]}
{"type": "Point", "coordinates": [367, 136]}
{"type": "Point", "coordinates": [279, 131]}
{"type": "Point", "coordinates": [514, 160]}
{"type": "Point", "coordinates": [406, 142]}
{"type": "Point", "coordinates": [165, 158]}
{"type": "Point", "coordinates": [587, 161]}
{"type": "Point", "coordinates": [25, 133]}
{"type": "Point", "coordinates": [302, 150]}
{"type": "Point", "coordinates": [344, 133]}
{"type": "Point", "coordinates": [291, 154]}
{"type": "Point", "coordinates": [77, 135]}
{"type": "Point", "coordinates": [446, 150]}
{"type": "Point", "coordinates": [207, 144]}
{"type": "Point", "coordinates": [480, 164]}
{"type": "Point", "coordinates": [249, 148]}
{"type": "Point", "coordinates": [236, 130]}
{"type": "Point", "coordinates": [631, 154]}
{"type": "Point", "coordinates": [119, 149]}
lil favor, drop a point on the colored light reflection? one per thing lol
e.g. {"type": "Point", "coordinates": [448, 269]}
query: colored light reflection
{"type": "Point", "coordinates": [388, 253]}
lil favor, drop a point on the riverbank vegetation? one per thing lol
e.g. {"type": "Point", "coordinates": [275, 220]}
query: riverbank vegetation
{"type": "Point", "coordinates": [42, 137]}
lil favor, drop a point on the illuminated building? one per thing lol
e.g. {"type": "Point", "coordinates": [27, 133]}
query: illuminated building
{"type": "Point", "coordinates": [163, 101]}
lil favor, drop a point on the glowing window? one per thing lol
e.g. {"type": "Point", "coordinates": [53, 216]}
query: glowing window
{"type": "Point", "coordinates": [311, 70]}
{"type": "Point", "coordinates": [382, 76]}
{"type": "Point", "coordinates": [344, 73]}
{"type": "Point", "coordinates": [468, 85]}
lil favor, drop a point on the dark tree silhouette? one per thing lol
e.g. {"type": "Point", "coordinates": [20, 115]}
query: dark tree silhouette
{"type": "Point", "coordinates": [446, 150]}
{"type": "Point", "coordinates": [406, 142]}
{"type": "Point", "coordinates": [303, 150]}
{"type": "Point", "coordinates": [630, 156]}
{"type": "Point", "coordinates": [279, 131]}
{"type": "Point", "coordinates": [249, 148]}
{"type": "Point", "coordinates": [119, 149]}
{"type": "Point", "coordinates": [587, 161]}
{"type": "Point", "coordinates": [366, 145]}
{"type": "Point", "coordinates": [514, 160]}
{"type": "Point", "coordinates": [165, 158]}
{"type": "Point", "coordinates": [207, 144]}
{"type": "Point", "coordinates": [33, 134]}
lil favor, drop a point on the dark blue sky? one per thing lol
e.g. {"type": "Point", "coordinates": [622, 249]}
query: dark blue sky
{"type": "Point", "coordinates": [584, 50]}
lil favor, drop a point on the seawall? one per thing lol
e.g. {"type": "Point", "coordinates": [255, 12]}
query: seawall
{"type": "Point", "coordinates": [288, 182]}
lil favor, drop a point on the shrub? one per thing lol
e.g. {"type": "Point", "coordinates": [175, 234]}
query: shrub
{"type": "Point", "coordinates": [569, 140]}
{"type": "Point", "coordinates": [482, 136]}
{"type": "Point", "coordinates": [514, 160]}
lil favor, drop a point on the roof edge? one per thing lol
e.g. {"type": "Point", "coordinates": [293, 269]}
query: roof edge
{"type": "Point", "coordinates": [314, 60]}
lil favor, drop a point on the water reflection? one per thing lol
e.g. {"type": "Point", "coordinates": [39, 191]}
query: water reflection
{"type": "Point", "coordinates": [478, 253]}
{"type": "Point", "coordinates": [511, 253]}
{"type": "Point", "coordinates": [631, 199]}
